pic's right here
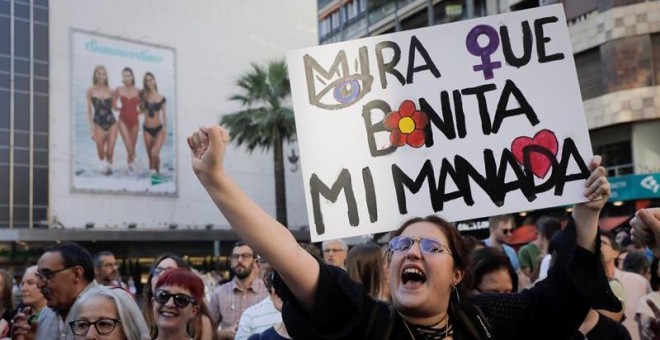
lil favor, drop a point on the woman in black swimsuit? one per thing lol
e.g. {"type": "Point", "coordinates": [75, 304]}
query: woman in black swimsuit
{"type": "Point", "coordinates": [101, 119]}
{"type": "Point", "coordinates": [152, 104]}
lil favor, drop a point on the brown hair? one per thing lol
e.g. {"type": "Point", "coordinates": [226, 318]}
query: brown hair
{"type": "Point", "coordinates": [6, 298]}
{"type": "Point", "coordinates": [494, 221]}
{"type": "Point", "coordinates": [129, 70]}
{"type": "Point", "coordinates": [365, 265]}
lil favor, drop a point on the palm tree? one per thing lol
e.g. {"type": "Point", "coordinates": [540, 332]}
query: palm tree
{"type": "Point", "coordinates": [265, 121]}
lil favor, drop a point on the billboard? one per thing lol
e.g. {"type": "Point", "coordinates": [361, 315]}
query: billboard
{"type": "Point", "coordinates": [123, 102]}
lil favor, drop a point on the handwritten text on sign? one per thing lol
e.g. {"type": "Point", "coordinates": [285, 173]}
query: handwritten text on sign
{"type": "Point", "coordinates": [464, 120]}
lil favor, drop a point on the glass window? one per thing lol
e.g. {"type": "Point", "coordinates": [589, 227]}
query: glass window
{"type": "Point", "coordinates": [5, 7]}
{"type": "Point", "coordinates": [4, 139]}
{"type": "Point", "coordinates": [41, 15]}
{"type": "Point", "coordinates": [41, 42]}
{"type": "Point", "coordinates": [5, 62]}
{"type": "Point", "coordinates": [4, 216]}
{"type": "Point", "coordinates": [655, 52]}
{"type": "Point", "coordinates": [22, 139]}
{"type": "Point", "coordinates": [4, 155]}
{"type": "Point", "coordinates": [21, 83]}
{"type": "Point", "coordinates": [40, 214]}
{"type": "Point", "coordinates": [40, 113]}
{"type": "Point", "coordinates": [41, 85]}
{"type": "Point", "coordinates": [5, 25]}
{"type": "Point", "coordinates": [21, 111]}
{"type": "Point", "coordinates": [22, 36]}
{"type": "Point", "coordinates": [22, 156]}
{"type": "Point", "coordinates": [22, 10]}
{"type": "Point", "coordinates": [4, 182]}
{"type": "Point", "coordinates": [22, 66]}
{"type": "Point", "coordinates": [40, 189]}
{"type": "Point", "coordinates": [41, 69]}
{"type": "Point", "coordinates": [5, 81]}
{"type": "Point", "coordinates": [21, 184]}
{"type": "Point", "coordinates": [42, 3]}
{"type": "Point", "coordinates": [40, 141]}
{"type": "Point", "coordinates": [21, 216]}
{"type": "Point", "coordinates": [41, 157]}
{"type": "Point", "coordinates": [4, 110]}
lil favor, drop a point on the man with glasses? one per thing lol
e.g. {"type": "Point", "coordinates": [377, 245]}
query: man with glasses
{"type": "Point", "coordinates": [501, 228]}
{"type": "Point", "coordinates": [106, 270]}
{"type": "Point", "coordinates": [335, 252]}
{"type": "Point", "coordinates": [64, 272]}
{"type": "Point", "coordinates": [232, 298]}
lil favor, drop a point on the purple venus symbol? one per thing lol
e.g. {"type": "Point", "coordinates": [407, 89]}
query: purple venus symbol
{"type": "Point", "coordinates": [472, 44]}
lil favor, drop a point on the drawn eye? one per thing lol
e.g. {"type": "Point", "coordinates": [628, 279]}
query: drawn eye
{"type": "Point", "coordinates": [347, 90]}
{"type": "Point", "coordinates": [344, 92]}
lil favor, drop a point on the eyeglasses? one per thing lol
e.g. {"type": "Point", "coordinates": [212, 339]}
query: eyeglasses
{"type": "Point", "coordinates": [46, 274]}
{"type": "Point", "coordinates": [159, 270]}
{"type": "Point", "coordinates": [180, 300]}
{"type": "Point", "coordinates": [426, 245]}
{"type": "Point", "coordinates": [507, 231]}
{"type": "Point", "coordinates": [242, 256]}
{"type": "Point", "coordinates": [328, 251]}
{"type": "Point", "coordinates": [103, 326]}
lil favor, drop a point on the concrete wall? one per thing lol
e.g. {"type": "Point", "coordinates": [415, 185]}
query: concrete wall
{"type": "Point", "coordinates": [215, 42]}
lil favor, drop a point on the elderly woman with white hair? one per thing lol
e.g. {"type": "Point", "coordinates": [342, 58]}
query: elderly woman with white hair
{"type": "Point", "coordinates": [110, 313]}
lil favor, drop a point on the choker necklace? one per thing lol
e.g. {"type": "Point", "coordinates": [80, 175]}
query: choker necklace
{"type": "Point", "coordinates": [430, 333]}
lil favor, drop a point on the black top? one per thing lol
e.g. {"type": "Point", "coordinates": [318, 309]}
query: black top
{"type": "Point", "coordinates": [152, 108]}
{"type": "Point", "coordinates": [605, 329]}
{"type": "Point", "coordinates": [553, 309]}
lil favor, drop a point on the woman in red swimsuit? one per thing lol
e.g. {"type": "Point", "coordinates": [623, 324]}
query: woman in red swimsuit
{"type": "Point", "coordinates": [152, 104]}
{"type": "Point", "coordinates": [129, 95]}
{"type": "Point", "coordinates": [101, 119]}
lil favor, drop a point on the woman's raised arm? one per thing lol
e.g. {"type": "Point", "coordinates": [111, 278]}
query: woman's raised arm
{"type": "Point", "coordinates": [269, 238]}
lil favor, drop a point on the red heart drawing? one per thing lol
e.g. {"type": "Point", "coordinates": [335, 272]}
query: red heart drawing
{"type": "Point", "coordinates": [540, 164]}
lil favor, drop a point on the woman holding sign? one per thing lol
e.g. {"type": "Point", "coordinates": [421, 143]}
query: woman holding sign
{"type": "Point", "coordinates": [428, 272]}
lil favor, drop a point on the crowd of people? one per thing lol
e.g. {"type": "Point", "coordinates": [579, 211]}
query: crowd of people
{"type": "Point", "coordinates": [427, 282]}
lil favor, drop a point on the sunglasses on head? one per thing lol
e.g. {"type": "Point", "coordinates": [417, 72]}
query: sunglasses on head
{"type": "Point", "coordinates": [426, 245]}
{"type": "Point", "coordinates": [180, 300]}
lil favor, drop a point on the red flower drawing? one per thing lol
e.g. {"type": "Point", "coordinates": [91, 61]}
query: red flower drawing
{"type": "Point", "coordinates": [407, 125]}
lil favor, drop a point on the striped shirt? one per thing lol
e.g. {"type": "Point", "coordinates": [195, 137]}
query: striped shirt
{"type": "Point", "coordinates": [257, 319]}
{"type": "Point", "coordinates": [229, 301]}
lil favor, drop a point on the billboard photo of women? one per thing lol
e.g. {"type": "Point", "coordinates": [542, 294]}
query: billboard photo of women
{"type": "Point", "coordinates": [123, 96]}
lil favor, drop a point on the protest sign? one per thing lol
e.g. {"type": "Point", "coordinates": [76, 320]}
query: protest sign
{"type": "Point", "coordinates": [464, 120]}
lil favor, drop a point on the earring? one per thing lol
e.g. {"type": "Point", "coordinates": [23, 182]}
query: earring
{"type": "Point", "coordinates": [454, 293]}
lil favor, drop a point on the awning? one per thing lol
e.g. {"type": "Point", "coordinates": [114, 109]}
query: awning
{"type": "Point", "coordinates": [609, 223]}
{"type": "Point", "coordinates": [523, 235]}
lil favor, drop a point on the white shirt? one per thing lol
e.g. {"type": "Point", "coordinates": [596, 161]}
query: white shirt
{"type": "Point", "coordinates": [635, 287]}
{"type": "Point", "coordinates": [257, 319]}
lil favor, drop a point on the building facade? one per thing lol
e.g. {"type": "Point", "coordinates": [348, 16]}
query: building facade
{"type": "Point", "coordinates": [47, 63]}
{"type": "Point", "coordinates": [24, 113]}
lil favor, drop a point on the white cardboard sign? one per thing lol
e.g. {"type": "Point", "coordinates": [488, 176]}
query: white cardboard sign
{"type": "Point", "coordinates": [464, 120]}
